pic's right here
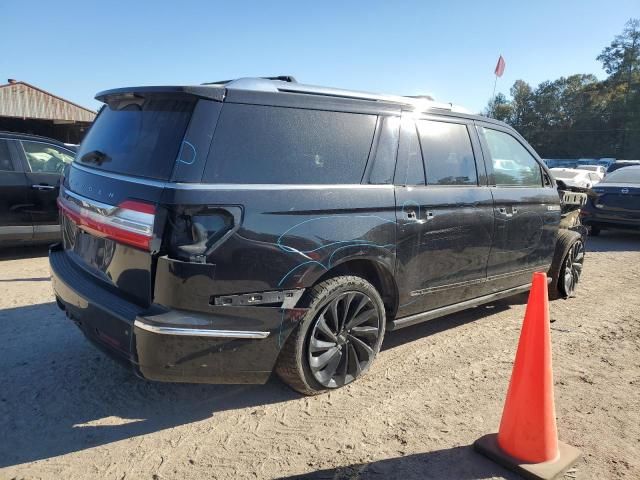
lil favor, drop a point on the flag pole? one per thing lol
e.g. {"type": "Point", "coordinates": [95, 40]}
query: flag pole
{"type": "Point", "coordinates": [493, 97]}
{"type": "Point", "coordinates": [495, 82]}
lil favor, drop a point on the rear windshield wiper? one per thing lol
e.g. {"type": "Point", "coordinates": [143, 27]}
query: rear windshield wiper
{"type": "Point", "coordinates": [95, 156]}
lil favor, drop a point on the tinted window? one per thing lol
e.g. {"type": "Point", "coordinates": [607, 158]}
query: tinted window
{"type": "Point", "coordinates": [385, 159]}
{"type": "Point", "coordinates": [137, 136]}
{"type": "Point", "coordinates": [5, 157]}
{"type": "Point", "coordinates": [258, 144]}
{"type": "Point", "coordinates": [447, 153]}
{"type": "Point", "coordinates": [46, 158]}
{"type": "Point", "coordinates": [513, 165]}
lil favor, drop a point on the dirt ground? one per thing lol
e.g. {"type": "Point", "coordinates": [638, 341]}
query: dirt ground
{"type": "Point", "coordinates": [69, 412]}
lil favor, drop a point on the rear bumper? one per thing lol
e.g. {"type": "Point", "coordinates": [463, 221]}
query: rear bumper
{"type": "Point", "coordinates": [235, 344]}
{"type": "Point", "coordinates": [594, 218]}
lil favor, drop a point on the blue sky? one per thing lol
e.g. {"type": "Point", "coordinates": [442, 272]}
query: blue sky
{"type": "Point", "coordinates": [446, 49]}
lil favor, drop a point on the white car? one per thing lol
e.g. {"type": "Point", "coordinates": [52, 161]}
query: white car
{"type": "Point", "coordinates": [599, 169]}
{"type": "Point", "coordinates": [574, 177]}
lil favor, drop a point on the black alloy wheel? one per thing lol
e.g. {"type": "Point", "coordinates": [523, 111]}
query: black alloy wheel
{"type": "Point", "coordinates": [574, 261]}
{"type": "Point", "coordinates": [343, 340]}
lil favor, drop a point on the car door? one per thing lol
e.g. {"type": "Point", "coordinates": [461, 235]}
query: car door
{"type": "Point", "coordinates": [15, 220]}
{"type": "Point", "coordinates": [444, 212]}
{"type": "Point", "coordinates": [45, 163]}
{"type": "Point", "coordinates": [526, 209]}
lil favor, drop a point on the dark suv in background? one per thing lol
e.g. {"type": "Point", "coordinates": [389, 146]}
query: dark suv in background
{"type": "Point", "coordinates": [30, 172]}
{"type": "Point", "coordinates": [219, 232]}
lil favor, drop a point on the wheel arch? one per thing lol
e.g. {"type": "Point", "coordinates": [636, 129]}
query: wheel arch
{"type": "Point", "coordinates": [376, 273]}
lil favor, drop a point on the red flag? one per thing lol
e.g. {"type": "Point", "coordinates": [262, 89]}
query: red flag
{"type": "Point", "coordinates": [500, 67]}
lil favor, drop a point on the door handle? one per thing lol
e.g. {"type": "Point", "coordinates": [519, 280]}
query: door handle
{"type": "Point", "coordinates": [42, 187]}
{"type": "Point", "coordinates": [503, 211]}
{"type": "Point", "coordinates": [429, 215]}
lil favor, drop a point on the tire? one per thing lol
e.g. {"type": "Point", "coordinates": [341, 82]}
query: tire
{"type": "Point", "coordinates": [567, 266]}
{"type": "Point", "coordinates": [355, 338]}
{"type": "Point", "coordinates": [594, 231]}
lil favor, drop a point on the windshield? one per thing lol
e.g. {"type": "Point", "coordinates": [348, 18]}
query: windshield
{"type": "Point", "coordinates": [624, 175]}
{"type": "Point", "coordinates": [137, 136]}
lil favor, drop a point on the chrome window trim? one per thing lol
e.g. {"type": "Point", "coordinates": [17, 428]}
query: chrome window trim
{"type": "Point", "coordinates": [199, 332]}
{"type": "Point", "coordinates": [224, 186]}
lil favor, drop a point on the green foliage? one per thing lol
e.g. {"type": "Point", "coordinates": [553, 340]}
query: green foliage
{"type": "Point", "coordinates": [580, 116]}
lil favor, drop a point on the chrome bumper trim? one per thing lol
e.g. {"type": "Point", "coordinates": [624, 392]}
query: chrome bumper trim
{"type": "Point", "coordinates": [199, 332]}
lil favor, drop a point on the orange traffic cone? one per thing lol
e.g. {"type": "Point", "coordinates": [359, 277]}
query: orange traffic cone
{"type": "Point", "coordinates": [527, 441]}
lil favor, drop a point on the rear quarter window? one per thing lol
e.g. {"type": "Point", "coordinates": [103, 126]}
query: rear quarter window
{"type": "Point", "coordinates": [274, 145]}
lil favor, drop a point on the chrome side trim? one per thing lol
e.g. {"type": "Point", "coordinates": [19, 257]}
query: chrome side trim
{"type": "Point", "coordinates": [16, 230]}
{"type": "Point", "coordinates": [416, 293]}
{"type": "Point", "coordinates": [199, 332]}
{"type": "Point", "coordinates": [227, 186]}
{"type": "Point", "coordinates": [46, 228]}
{"type": "Point", "coordinates": [456, 307]}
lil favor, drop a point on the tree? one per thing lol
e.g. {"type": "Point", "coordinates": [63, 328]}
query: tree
{"type": "Point", "coordinates": [621, 60]}
{"type": "Point", "coordinates": [579, 116]}
{"type": "Point", "coordinates": [622, 57]}
{"type": "Point", "coordinates": [499, 108]}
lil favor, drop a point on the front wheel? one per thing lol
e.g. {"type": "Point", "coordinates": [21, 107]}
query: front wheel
{"type": "Point", "coordinates": [337, 340]}
{"type": "Point", "coordinates": [565, 274]}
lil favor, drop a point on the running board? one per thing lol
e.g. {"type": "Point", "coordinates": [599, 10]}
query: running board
{"type": "Point", "coordinates": [456, 307]}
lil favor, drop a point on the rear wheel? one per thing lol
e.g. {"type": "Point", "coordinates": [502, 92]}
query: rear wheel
{"type": "Point", "coordinates": [337, 340]}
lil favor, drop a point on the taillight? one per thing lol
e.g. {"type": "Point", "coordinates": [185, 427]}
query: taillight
{"type": "Point", "coordinates": [129, 222]}
{"type": "Point", "coordinates": [196, 231]}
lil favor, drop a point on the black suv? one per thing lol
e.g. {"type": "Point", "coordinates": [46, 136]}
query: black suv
{"type": "Point", "coordinates": [30, 172]}
{"type": "Point", "coordinates": [219, 232]}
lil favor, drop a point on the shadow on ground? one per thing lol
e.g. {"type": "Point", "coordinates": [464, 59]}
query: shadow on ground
{"type": "Point", "coordinates": [458, 463]}
{"type": "Point", "coordinates": [57, 390]}
{"type": "Point", "coordinates": [614, 241]}
{"type": "Point", "coordinates": [59, 394]}
{"type": "Point", "coordinates": [23, 251]}
{"type": "Point", "coordinates": [432, 327]}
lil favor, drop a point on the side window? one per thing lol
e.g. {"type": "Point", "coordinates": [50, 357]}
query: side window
{"type": "Point", "coordinates": [46, 158]}
{"type": "Point", "coordinates": [385, 160]}
{"type": "Point", "coordinates": [447, 153]}
{"type": "Point", "coordinates": [5, 157]}
{"type": "Point", "coordinates": [513, 165]}
{"type": "Point", "coordinates": [258, 144]}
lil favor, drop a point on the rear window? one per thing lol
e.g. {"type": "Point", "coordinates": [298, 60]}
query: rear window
{"type": "Point", "coordinates": [137, 136]}
{"type": "Point", "coordinates": [259, 144]}
{"type": "Point", "coordinates": [624, 175]}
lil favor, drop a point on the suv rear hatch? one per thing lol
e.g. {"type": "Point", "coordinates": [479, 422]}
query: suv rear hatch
{"type": "Point", "coordinates": [111, 219]}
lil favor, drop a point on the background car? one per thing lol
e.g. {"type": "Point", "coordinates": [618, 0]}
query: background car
{"type": "Point", "coordinates": [615, 202]}
{"type": "Point", "coordinates": [573, 177]}
{"type": "Point", "coordinates": [599, 169]}
{"type": "Point", "coordinates": [30, 171]}
{"type": "Point", "coordinates": [621, 164]}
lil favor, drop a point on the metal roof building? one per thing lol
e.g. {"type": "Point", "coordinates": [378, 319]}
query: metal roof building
{"type": "Point", "coordinates": [28, 109]}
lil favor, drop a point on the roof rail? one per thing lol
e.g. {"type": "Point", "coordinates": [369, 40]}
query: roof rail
{"type": "Point", "coordinates": [282, 78]}
{"type": "Point", "coordinates": [288, 84]}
